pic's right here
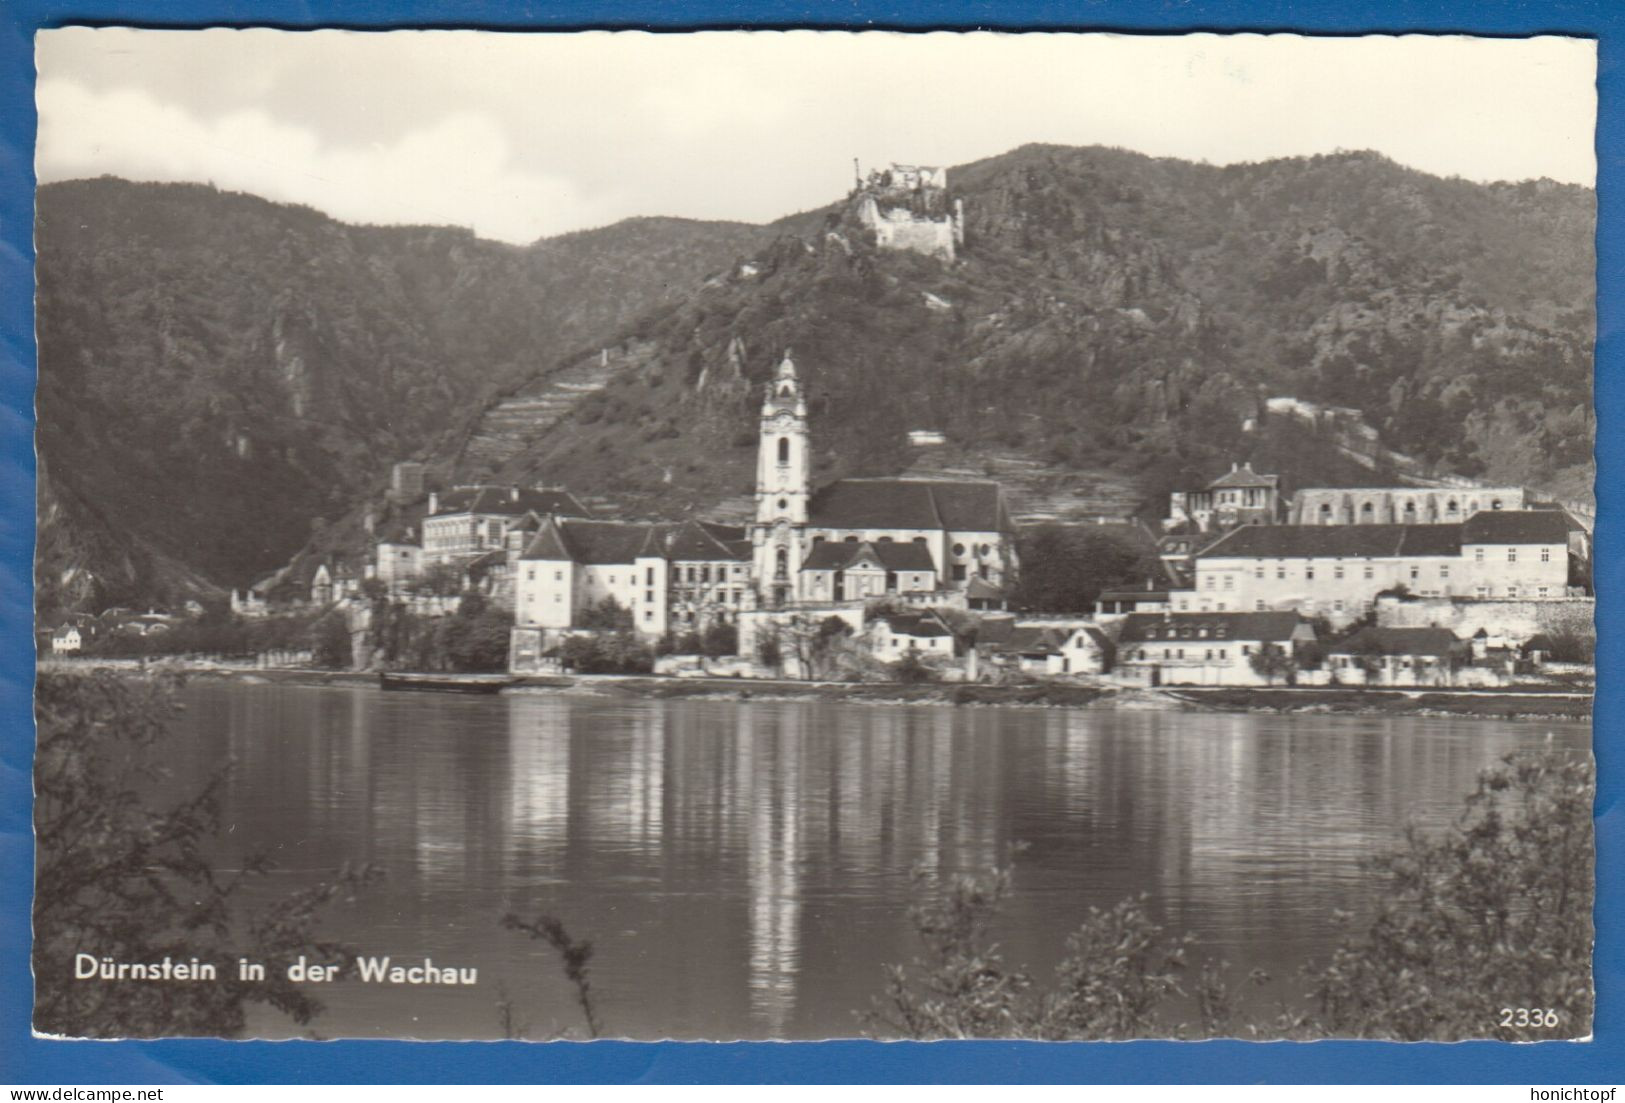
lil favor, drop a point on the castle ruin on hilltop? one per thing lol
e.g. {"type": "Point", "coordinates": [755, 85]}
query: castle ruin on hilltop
{"type": "Point", "coordinates": [907, 207]}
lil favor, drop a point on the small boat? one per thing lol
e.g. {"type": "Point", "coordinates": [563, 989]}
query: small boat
{"type": "Point", "coordinates": [446, 683]}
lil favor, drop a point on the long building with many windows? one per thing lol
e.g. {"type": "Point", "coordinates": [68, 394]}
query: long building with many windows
{"type": "Point", "coordinates": [1337, 571]}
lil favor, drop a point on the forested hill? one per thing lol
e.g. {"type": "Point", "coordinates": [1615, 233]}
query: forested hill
{"type": "Point", "coordinates": [1112, 321]}
{"type": "Point", "coordinates": [219, 372]}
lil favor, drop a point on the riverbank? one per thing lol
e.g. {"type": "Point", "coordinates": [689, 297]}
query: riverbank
{"type": "Point", "coordinates": [1524, 703]}
{"type": "Point", "coordinates": [1556, 702]}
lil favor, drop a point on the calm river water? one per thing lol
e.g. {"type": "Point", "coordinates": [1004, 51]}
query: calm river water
{"type": "Point", "coordinates": [743, 868]}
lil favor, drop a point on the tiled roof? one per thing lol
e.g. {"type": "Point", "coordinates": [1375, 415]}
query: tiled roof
{"type": "Point", "coordinates": [838, 555]}
{"type": "Point", "coordinates": [591, 541]}
{"type": "Point", "coordinates": [980, 589]}
{"type": "Point", "coordinates": [1334, 541]}
{"type": "Point", "coordinates": [1242, 476]}
{"type": "Point", "coordinates": [1264, 627]}
{"type": "Point", "coordinates": [597, 542]}
{"type": "Point", "coordinates": [508, 501]}
{"type": "Point", "coordinates": [1030, 639]}
{"type": "Point", "coordinates": [910, 504]}
{"type": "Point", "coordinates": [693, 540]}
{"type": "Point", "coordinates": [1399, 641]}
{"type": "Point", "coordinates": [1516, 526]}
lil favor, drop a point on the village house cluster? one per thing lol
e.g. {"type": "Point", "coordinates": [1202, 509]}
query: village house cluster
{"type": "Point", "coordinates": [1407, 585]}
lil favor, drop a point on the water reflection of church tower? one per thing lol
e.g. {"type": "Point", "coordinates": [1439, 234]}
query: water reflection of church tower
{"type": "Point", "coordinates": [539, 773]}
{"type": "Point", "coordinates": [769, 760]}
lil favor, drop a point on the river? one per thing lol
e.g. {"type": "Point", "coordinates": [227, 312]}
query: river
{"type": "Point", "coordinates": [744, 869]}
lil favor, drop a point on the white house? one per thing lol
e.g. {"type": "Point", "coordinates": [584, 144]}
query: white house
{"type": "Point", "coordinates": [1207, 649]}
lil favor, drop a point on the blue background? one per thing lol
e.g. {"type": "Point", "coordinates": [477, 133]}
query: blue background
{"type": "Point", "coordinates": [25, 1060]}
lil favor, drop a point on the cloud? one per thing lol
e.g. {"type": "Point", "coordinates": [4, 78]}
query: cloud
{"type": "Point", "coordinates": [519, 135]}
{"type": "Point", "coordinates": [458, 169]}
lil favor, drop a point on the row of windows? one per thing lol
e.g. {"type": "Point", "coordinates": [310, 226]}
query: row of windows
{"type": "Point", "coordinates": [1209, 654]}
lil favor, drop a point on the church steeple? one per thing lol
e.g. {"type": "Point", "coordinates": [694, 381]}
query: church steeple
{"type": "Point", "coordinates": [782, 466]}
{"type": "Point", "coordinates": [783, 469]}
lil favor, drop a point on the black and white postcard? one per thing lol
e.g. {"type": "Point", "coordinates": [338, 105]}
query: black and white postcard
{"type": "Point", "coordinates": [801, 535]}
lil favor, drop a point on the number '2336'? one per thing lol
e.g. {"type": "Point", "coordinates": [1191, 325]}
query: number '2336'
{"type": "Point", "coordinates": [1529, 1016]}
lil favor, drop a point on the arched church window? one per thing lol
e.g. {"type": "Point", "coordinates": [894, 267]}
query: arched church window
{"type": "Point", "coordinates": [1450, 506]}
{"type": "Point", "coordinates": [782, 565]}
{"type": "Point", "coordinates": [1366, 513]}
{"type": "Point", "coordinates": [1495, 503]}
{"type": "Point", "coordinates": [784, 449]}
{"type": "Point", "coordinates": [959, 549]}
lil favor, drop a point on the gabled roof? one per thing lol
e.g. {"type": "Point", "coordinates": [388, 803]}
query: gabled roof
{"type": "Point", "coordinates": [910, 504]}
{"type": "Point", "coordinates": [1262, 627]}
{"type": "Point", "coordinates": [980, 589]}
{"type": "Point", "coordinates": [508, 501]}
{"type": "Point", "coordinates": [840, 555]}
{"type": "Point", "coordinates": [1243, 476]}
{"type": "Point", "coordinates": [692, 540]}
{"type": "Point", "coordinates": [1399, 641]}
{"type": "Point", "coordinates": [1516, 526]}
{"type": "Point", "coordinates": [1101, 640]}
{"type": "Point", "coordinates": [1028, 639]}
{"type": "Point", "coordinates": [575, 540]}
{"type": "Point", "coordinates": [1334, 541]}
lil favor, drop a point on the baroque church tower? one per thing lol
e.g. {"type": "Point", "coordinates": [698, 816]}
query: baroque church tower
{"type": "Point", "coordinates": [783, 469]}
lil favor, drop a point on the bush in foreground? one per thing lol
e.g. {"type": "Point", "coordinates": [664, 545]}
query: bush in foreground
{"type": "Point", "coordinates": [1490, 916]}
{"type": "Point", "coordinates": [122, 876]}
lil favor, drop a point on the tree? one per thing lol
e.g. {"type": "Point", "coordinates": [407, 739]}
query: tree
{"type": "Point", "coordinates": [330, 642]}
{"type": "Point", "coordinates": [1271, 661]}
{"type": "Point", "coordinates": [720, 638]}
{"type": "Point", "coordinates": [768, 651]}
{"type": "Point", "coordinates": [476, 642]}
{"type": "Point", "coordinates": [813, 644]}
{"type": "Point", "coordinates": [909, 669]}
{"type": "Point", "coordinates": [1494, 913]}
{"type": "Point", "coordinates": [124, 876]}
{"type": "Point", "coordinates": [608, 653]}
{"type": "Point", "coordinates": [607, 615]}
{"type": "Point", "coordinates": [1064, 568]}
{"type": "Point", "coordinates": [1371, 658]}
{"type": "Point", "coordinates": [440, 580]}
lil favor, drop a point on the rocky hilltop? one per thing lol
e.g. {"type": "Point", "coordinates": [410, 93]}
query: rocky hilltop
{"type": "Point", "coordinates": [1112, 323]}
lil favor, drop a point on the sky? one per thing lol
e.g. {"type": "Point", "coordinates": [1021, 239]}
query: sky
{"type": "Point", "coordinates": [521, 136]}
